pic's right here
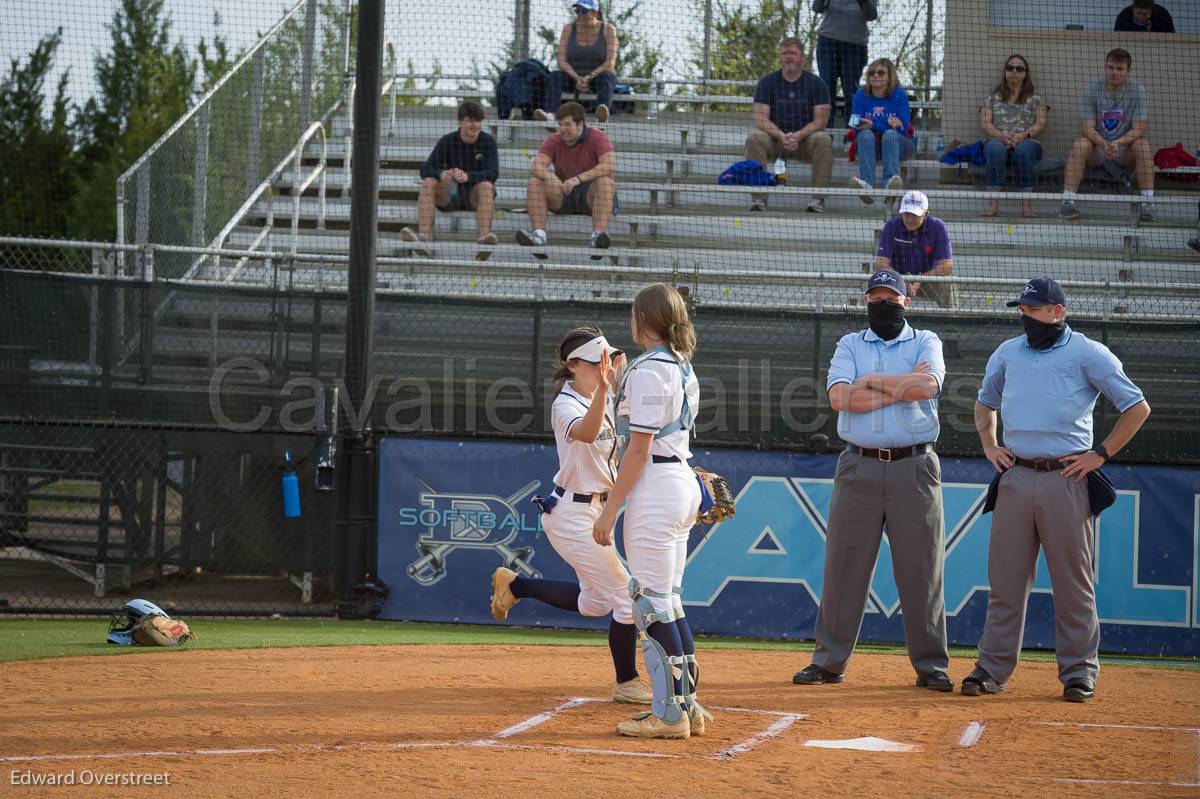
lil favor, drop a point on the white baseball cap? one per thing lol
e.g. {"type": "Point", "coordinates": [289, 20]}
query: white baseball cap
{"type": "Point", "coordinates": [590, 351]}
{"type": "Point", "coordinates": [914, 202]}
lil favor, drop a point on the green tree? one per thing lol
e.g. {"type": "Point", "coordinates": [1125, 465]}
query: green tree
{"type": "Point", "coordinates": [37, 158]}
{"type": "Point", "coordinates": [145, 85]}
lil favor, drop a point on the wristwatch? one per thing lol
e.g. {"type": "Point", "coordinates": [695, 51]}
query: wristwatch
{"type": "Point", "coordinates": [1101, 451]}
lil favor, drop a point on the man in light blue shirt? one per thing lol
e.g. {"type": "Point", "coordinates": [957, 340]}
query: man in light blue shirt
{"type": "Point", "coordinates": [884, 383]}
{"type": "Point", "coordinates": [1045, 385]}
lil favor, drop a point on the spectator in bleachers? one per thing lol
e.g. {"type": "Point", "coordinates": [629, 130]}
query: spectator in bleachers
{"type": "Point", "coordinates": [1011, 117]}
{"type": "Point", "coordinates": [1114, 113]}
{"type": "Point", "coordinates": [1144, 16]}
{"type": "Point", "coordinates": [459, 175]}
{"type": "Point", "coordinates": [574, 172]}
{"type": "Point", "coordinates": [842, 42]}
{"type": "Point", "coordinates": [587, 60]}
{"type": "Point", "coordinates": [915, 243]}
{"type": "Point", "coordinates": [791, 107]}
{"type": "Point", "coordinates": [885, 129]}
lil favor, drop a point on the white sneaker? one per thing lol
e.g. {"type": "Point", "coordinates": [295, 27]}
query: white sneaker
{"type": "Point", "coordinates": [758, 205]}
{"type": "Point", "coordinates": [895, 183]}
{"type": "Point", "coordinates": [696, 717]}
{"type": "Point", "coordinates": [602, 113]}
{"type": "Point", "coordinates": [408, 234]}
{"type": "Point", "coordinates": [502, 595]}
{"type": "Point", "coordinates": [633, 692]}
{"type": "Point", "coordinates": [540, 115]}
{"type": "Point", "coordinates": [527, 239]}
{"type": "Point", "coordinates": [862, 185]}
{"type": "Point", "coordinates": [816, 206]}
{"type": "Point", "coordinates": [648, 725]}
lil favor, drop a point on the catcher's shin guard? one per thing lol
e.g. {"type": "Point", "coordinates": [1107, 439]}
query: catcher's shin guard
{"type": "Point", "coordinates": [691, 670]}
{"type": "Point", "coordinates": [664, 669]}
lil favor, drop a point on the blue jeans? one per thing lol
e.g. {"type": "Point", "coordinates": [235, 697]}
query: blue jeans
{"type": "Point", "coordinates": [1024, 158]}
{"type": "Point", "coordinates": [840, 60]}
{"type": "Point", "coordinates": [894, 148]}
{"type": "Point", "coordinates": [602, 85]}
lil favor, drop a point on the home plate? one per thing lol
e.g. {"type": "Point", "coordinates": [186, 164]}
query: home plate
{"type": "Point", "coordinates": [869, 744]}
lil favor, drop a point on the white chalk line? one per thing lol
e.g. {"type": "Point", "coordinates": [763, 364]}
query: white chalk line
{"type": "Point", "coordinates": [971, 734]}
{"type": "Point", "coordinates": [1150, 727]}
{"type": "Point", "coordinates": [541, 718]}
{"type": "Point", "coordinates": [1198, 758]}
{"type": "Point", "coordinates": [784, 721]}
{"type": "Point", "coordinates": [1082, 781]}
{"type": "Point", "coordinates": [777, 728]}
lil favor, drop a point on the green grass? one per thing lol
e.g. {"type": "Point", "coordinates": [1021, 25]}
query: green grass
{"type": "Point", "coordinates": [31, 639]}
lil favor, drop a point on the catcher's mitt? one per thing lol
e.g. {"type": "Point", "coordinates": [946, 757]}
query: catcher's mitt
{"type": "Point", "coordinates": [716, 500]}
{"type": "Point", "coordinates": [161, 631]}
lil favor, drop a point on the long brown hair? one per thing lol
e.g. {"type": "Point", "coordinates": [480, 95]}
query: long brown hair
{"type": "Point", "coordinates": [1026, 85]}
{"type": "Point", "coordinates": [893, 81]}
{"type": "Point", "coordinates": [659, 310]}
{"type": "Point", "coordinates": [578, 336]}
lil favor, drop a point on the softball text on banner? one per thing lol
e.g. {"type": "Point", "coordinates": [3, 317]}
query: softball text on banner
{"type": "Point", "coordinates": [450, 512]}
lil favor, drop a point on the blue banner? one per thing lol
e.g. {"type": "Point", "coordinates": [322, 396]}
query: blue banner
{"type": "Point", "coordinates": [450, 512]}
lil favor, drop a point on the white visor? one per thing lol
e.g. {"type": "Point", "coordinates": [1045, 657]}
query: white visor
{"type": "Point", "coordinates": [590, 350]}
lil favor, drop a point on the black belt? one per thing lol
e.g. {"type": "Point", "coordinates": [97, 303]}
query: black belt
{"type": "Point", "coordinates": [894, 454]}
{"type": "Point", "coordinates": [1042, 464]}
{"type": "Point", "coordinates": [665, 459]}
{"type": "Point", "coordinates": [585, 499]}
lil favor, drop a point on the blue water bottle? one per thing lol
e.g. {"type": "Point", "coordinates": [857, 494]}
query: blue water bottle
{"type": "Point", "coordinates": [291, 487]}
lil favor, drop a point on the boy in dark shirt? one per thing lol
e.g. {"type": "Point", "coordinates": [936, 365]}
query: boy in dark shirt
{"type": "Point", "coordinates": [459, 175]}
{"type": "Point", "coordinates": [1144, 16]}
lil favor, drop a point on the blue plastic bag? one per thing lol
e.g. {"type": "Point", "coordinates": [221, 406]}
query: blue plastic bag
{"type": "Point", "coordinates": [746, 173]}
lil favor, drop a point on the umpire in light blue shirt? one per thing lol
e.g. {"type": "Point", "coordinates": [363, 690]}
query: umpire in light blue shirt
{"type": "Point", "coordinates": [884, 383]}
{"type": "Point", "coordinates": [1045, 385]}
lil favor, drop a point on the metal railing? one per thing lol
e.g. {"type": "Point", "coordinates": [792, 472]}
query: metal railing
{"type": "Point", "coordinates": [192, 179]}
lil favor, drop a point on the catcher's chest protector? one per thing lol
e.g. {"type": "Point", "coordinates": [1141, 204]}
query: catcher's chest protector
{"type": "Point", "coordinates": [686, 419]}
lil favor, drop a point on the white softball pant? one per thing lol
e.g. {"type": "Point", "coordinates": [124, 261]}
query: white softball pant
{"type": "Point", "coordinates": [603, 580]}
{"type": "Point", "coordinates": [659, 514]}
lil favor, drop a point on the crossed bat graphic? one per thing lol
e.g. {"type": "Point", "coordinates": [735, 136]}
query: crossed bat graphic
{"type": "Point", "coordinates": [431, 566]}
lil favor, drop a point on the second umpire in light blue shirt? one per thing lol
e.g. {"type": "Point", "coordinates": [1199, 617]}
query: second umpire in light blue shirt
{"type": "Point", "coordinates": [1045, 385]}
{"type": "Point", "coordinates": [884, 383]}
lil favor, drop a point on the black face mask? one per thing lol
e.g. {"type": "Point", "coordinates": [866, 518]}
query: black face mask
{"type": "Point", "coordinates": [886, 318]}
{"type": "Point", "coordinates": [1041, 335]}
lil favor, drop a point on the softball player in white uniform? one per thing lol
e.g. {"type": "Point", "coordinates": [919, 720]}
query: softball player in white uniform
{"type": "Point", "coordinates": [658, 399]}
{"type": "Point", "coordinates": [585, 436]}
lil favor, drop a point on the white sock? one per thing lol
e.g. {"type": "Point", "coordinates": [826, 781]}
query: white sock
{"type": "Point", "coordinates": [539, 234]}
{"type": "Point", "coordinates": [1147, 192]}
{"type": "Point", "coordinates": [1069, 196]}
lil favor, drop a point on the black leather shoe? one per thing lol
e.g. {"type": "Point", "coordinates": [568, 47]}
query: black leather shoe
{"type": "Point", "coordinates": [815, 675]}
{"type": "Point", "coordinates": [936, 681]}
{"type": "Point", "coordinates": [1079, 689]}
{"type": "Point", "coordinates": [979, 682]}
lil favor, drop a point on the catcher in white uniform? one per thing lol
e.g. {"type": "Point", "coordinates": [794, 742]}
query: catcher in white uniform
{"type": "Point", "coordinates": [657, 401]}
{"type": "Point", "coordinates": [585, 436]}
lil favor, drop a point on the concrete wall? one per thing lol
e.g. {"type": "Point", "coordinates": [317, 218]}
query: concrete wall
{"type": "Point", "coordinates": [1168, 65]}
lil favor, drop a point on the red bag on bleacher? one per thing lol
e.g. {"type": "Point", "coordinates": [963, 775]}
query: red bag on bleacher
{"type": "Point", "coordinates": [1174, 157]}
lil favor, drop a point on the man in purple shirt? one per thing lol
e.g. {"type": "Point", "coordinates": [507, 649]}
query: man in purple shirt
{"type": "Point", "coordinates": [915, 243]}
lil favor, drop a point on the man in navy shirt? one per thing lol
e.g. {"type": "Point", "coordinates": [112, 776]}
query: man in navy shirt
{"type": "Point", "coordinates": [1045, 385]}
{"type": "Point", "coordinates": [459, 175]}
{"type": "Point", "coordinates": [791, 109]}
{"type": "Point", "coordinates": [1144, 16]}
{"type": "Point", "coordinates": [915, 243]}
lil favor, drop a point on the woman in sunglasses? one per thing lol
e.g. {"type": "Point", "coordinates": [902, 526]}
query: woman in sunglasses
{"type": "Point", "coordinates": [1011, 117]}
{"type": "Point", "coordinates": [587, 60]}
{"type": "Point", "coordinates": [880, 118]}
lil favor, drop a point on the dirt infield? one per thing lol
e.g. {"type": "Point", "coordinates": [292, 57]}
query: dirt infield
{"type": "Point", "coordinates": [524, 721]}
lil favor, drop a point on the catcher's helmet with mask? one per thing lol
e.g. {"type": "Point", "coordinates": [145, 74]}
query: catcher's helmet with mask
{"type": "Point", "coordinates": [120, 628]}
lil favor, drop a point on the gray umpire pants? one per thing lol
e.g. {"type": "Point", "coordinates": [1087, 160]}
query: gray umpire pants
{"type": "Point", "coordinates": [906, 495]}
{"type": "Point", "coordinates": [1043, 508]}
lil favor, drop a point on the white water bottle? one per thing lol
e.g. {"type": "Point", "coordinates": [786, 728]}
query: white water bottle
{"type": "Point", "coordinates": [780, 170]}
{"type": "Point", "coordinates": [656, 87]}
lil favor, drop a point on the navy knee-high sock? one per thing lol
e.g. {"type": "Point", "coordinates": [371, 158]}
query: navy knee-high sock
{"type": "Point", "coordinates": [689, 647]}
{"type": "Point", "coordinates": [562, 594]}
{"type": "Point", "coordinates": [667, 634]}
{"type": "Point", "coordinates": [622, 642]}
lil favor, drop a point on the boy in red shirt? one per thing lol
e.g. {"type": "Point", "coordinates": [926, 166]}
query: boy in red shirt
{"type": "Point", "coordinates": [574, 172]}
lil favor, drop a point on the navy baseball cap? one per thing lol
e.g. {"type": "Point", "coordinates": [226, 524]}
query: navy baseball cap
{"type": "Point", "coordinates": [886, 278]}
{"type": "Point", "coordinates": [1041, 291]}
